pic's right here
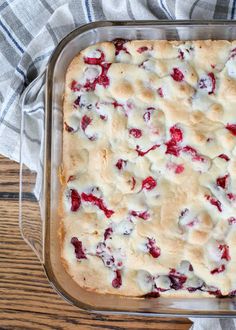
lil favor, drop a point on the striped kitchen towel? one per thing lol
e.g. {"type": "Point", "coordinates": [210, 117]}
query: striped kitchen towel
{"type": "Point", "coordinates": [29, 32]}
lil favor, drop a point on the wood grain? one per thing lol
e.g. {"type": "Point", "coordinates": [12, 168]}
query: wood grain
{"type": "Point", "coordinates": [26, 299]}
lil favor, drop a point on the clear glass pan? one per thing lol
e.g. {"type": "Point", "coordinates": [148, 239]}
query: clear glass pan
{"type": "Point", "coordinates": [40, 231]}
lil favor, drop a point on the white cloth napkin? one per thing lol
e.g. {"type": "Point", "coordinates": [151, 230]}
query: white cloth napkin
{"type": "Point", "coordinates": [29, 32]}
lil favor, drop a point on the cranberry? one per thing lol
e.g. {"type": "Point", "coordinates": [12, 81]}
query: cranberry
{"type": "Point", "coordinates": [143, 153]}
{"type": "Point", "coordinates": [140, 50]}
{"type": "Point", "coordinates": [85, 121]}
{"type": "Point", "coordinates": [231, 196]}
{"type": "Point", "coordinates": [224, 252]}
{"type": "Point", "coordinates": [135, 132]}
{"type": "Point", "coordinates": [147, 116]}
{"type": "Point", "coordinates": [194, 154]}
{"type": "Point", "coordinates": [160, 92]}
{"type": "Point", "coordinates": [75, 200]}
{"type": "Point", "coordinates": [218, 270]}
{"type": "Point", "coordinates": [119, 45]}
{"type": "Point", "coordinates": [95, 61]}
{"type": "Point", "coordinates": [153, 249]}
{"type": "Point", "coordinates": [181, 54]}
{"type": "Point", "coordinates": [176, 134]}
{"type": "Point", "coordinates": [103, 117]}
{"type": "Point", "coordinates": [108, 233]}
{"type": "Point", "coordinates": [77, 101]}
{"type": "Point", "coordinates": [74, 86]}
{"type": "Point", "coordinates": [177, 279]}
{"type": "Point", "coordinates": [149, 183]}
{"type": "Point", "coordinates": [177, 75]}
{"type": "Point", "coordinates": [222, 181]}
{"type": "Point", "coordinates": [102, 79]}
{"type": "Point", "coordinates": [179, 168]}
{"type": "Point", "coordinates": [225, 157]}
{"type": "Point", "coordinates": [68, 128]}
{"type": "Point", "coordinates": [121, 163]}
{"type": "Point", "coordinates": [172, 148]}
{"type": "Point", "coordinates": [231, 128]}
{"type": "Point", "coordinates": [142, 215]}
{"type": "Point", "coordinates": [117, 281]}
{"type": "Point", "coordinates": [212, 77]}
{"type": "Point", "coordinates": [116, 104]}
{"type": "Point", "coordinates": [90, 198]}
{"type": "Point", "coordinates": [214, 202]}
{"type": "Point", "coordinates": [192, 289]}
{"type": "Point", "coordinates": [172, 145]}
{"type": "Point", "coordinates": [215, 292]}
{"type": "Point", "coordinates": [133, 183]}
{"type": "Point", "coordinates": [232, 221]}
{"type": "Point", "coordinates": [79, 252]}
{"type": "Point", "coordinates": [208, 83]}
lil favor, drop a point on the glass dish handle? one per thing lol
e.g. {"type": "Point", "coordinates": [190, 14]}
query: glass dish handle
{"type": "Point", "coordinates": [31, 205]}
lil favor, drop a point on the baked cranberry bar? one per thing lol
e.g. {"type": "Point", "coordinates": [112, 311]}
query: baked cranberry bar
{"type": "Point", "coordinates": [149, 168]}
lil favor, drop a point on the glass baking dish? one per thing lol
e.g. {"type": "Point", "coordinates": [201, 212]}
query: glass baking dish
{"type": "Point", "coordinates": [39, 220]}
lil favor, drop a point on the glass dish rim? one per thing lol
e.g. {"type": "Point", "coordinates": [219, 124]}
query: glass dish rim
{"type": "Point", "coordinates": [47, 159]}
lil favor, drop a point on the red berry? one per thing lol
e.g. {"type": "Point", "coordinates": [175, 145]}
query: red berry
{"type": "Point", "coordinates": [95, 61]}
{"type": "Point", "coordinates": [149, 183]}
{"type": "Point", "coordinates": [218, 270]}
{"type": "Point", "coordinates": [222, 181]}
{"type": "Point", "coordinates": [194, 154]}
{"type": "Point", "coordinates": [90, 198]}
{"type": "Point", "coordinates": [224, 252]}
{"type": "Point", "coordinates": [119, 45]}
{"type": "Point", "coordinates": [108, 233]}
{"type": "Point", "coordinates": [214, 202]}
{"type": "Point", "coordinates": [231, 196]}
{"type": "Point", "coordinates": [177, 279]}
{"type": "Point", "coordinates": [176, 134]}
{"type": "Point", "coordinates": [117, 281]}
{"type": "Point", "coordinates": [177, 75]}
{"type": "Point", "coordinates": [181, 54]}
{"type": "Point", "coordinates": [75, 200]}
{"type": "Point", "coordinates": [133, 183]}
{"type": "Point", "coordinates": [208, 83]}
{"type": "Point", "coordinates": [172, 145]}
{"type": "Point", "coordinates": [74, 86]}
{"type": "Point", "coordinates": [231, 128]}
{"type": "Point", "coordinates": [232, 221]}
{"type": "Point", "coordinates": [143, 153]}
{"type": "Point", "coordinates": [142, 49]}
{"type": "Point", "coordinates": [142, 215]}
{"type": "Point", "coordinates": [85, 121]}
{"type": "Point", "coordinates": [160, 92]}
{"type": "Point", "coordinates": [121, 163]}
{"type": "Point", "coordinates": [135, 132]}
{"type": "Point", "coordinates": [79, 252]}
{"type": "Point", "coordinates": [154, 250]}
{"type": "Point", "coordinates": [225, 157]}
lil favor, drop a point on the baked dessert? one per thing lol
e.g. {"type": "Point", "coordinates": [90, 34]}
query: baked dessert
{"type": "Point", "coordinates": [149, 168]}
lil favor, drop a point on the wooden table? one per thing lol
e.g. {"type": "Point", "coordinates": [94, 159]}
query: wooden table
{"type": "Point", "coordinates": [26, 299]}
